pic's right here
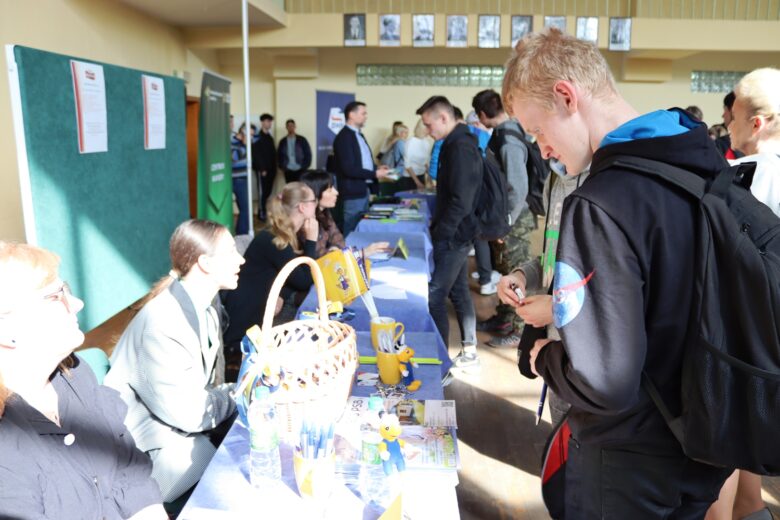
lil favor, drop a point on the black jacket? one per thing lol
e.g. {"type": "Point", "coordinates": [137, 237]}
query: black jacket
{"type": "Point", "coordinates": [457, 187]}
{"type": "Point", "coordinates": [349, 165]}
{"type": "Point", "coordinates": [245, 305]}
{"type": "Point", "coordinates": [264, 154]}
{"type": "Point", "coordinates": [302, 153]}
{"type": "Point", "coordinates": [623, 292]}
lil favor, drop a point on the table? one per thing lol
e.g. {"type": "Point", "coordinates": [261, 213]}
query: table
{"type": "Point", "coordinates": [393, 229]}
{"type": "Point", "coordinates": [428, 196]}
{"type": "Point", "coordinates": [401, 291]}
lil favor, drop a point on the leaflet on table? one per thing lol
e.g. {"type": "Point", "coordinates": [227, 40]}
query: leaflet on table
{"type": "Point", "coordinates": [427, 447]}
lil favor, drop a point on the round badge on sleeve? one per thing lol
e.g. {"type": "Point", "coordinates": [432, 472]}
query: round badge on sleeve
{"type": "Point", "coordinates": [568, 293]}
{"type": "Point", "coordinates": [69, 439]}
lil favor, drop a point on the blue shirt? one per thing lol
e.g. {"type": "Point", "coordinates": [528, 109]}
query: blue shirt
{"type": "Point", "coordinates": [482, 137]}
{"type": "Point", "coordinates": [365, 151]}
{"type": "Point", "coordinates": [433, 169]}
{"type": "Point", "coordinates": [292, 164]}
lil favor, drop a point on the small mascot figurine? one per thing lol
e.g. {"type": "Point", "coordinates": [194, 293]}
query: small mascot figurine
{"type": "Point", "coordinates": [407, 367]}
{"type": "Point", "coordinates": [391, 447]}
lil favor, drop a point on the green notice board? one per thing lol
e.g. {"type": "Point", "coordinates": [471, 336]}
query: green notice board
{"type": "Point", "coordinates": [108, 215]}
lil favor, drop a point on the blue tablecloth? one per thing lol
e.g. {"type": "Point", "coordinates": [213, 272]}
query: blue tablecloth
{"type": "Point", "coordinates": [412, 232]}
{"type": "Point", "coordinates": [428, 196]}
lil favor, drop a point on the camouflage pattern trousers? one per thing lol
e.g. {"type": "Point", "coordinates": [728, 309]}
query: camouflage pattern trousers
{"type": "Point", "coordinates": [513, 251]}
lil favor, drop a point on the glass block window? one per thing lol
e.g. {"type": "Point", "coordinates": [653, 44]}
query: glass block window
{"type": "Point", "coordinates": [431, 75]}
{"type": "Point", "coordinates": [715, 81]}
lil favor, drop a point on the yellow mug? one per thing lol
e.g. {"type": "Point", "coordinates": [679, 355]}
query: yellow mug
{"type": "Point", "coordinates": [388, 367]}
{"type": "Point", "coordinates": [385, 332]}
{"type": "Point", "coordinates": [314, 477]}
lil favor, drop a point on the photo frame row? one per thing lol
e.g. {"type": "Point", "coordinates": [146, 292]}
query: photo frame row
{"type": "Point", "coordinates": [488, 30]}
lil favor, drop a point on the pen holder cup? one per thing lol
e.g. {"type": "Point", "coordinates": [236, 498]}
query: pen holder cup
{"type": "Point", "coordinates": [314, 477]}
{"type": "Point", "coordinates": [389, 368]}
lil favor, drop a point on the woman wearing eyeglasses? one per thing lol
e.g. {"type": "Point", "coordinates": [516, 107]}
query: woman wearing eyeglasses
{"type": "Point", "coordinates": [289, 212]}
{"type": "Point", "coordinates": [64, 451]}
{"type": "Point", "coordinates": [169, 365]}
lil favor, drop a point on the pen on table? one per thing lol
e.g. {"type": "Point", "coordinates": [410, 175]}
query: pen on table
{"type": "Point", "coordinates": [540, 408]}
{"type": "Point", "coordinates": [303, 439]}
{"type": "Point", "coordinates": [321, 443]}
{"type": "Point", "coordinates": [312, 442]}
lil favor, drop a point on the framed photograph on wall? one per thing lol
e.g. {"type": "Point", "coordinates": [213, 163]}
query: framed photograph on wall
{"type": "Point", "coordinates": [354, 30]}
{"type": "Point", "coordinates": [559, 22]}
{"type": "Point", "coordinates": [422, 30]}
{"type": "Point", "coordinates": [390, 30]}
{"type": "Point", "coordinates": [620, 34]}
{"type": "Point", "coordinates": [521, 26]}
{"type": "Point", "coordinates": [489, 31]}
{"type": "Point", "coordinates": [588, 28]}
{"type": "Point", "coordinates": [457, 30]}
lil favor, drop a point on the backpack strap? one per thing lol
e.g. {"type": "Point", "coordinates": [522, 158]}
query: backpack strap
{"type": "Point", "coordinates": [683, 179]}
{"type": "Point", "coordinates": [674, 423]}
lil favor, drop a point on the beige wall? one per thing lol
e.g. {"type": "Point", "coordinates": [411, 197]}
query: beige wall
{"type": "Point", "coordinates": [296, 98]}
{"type": "Point", "coordinates": [102, 30]}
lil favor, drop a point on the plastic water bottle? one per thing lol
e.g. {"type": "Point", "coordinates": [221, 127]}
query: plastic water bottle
{"type": "Point", "coordinates": [373, 482]}
{"type": "Point", "coordinates": [264, 463]}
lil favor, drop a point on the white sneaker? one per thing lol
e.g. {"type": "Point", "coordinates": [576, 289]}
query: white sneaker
{"type": "Point", "coordinates": [488, 289]}
{"type": "Point", "coordinates": [471, 252]}
{"type": "Point", "coordinates": [475, 275]}
{"type": "Point", "coordinates": [495, 276]}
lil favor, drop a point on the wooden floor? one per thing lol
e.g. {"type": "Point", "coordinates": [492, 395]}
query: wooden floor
{"type": "Point", "coordinates": [500, 446]}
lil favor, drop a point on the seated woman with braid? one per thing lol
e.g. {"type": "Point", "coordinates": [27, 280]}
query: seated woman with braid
{"type": "Point", "coordinates": [169, 365]}
{"type": "Point", "coordinates": [64, 452]}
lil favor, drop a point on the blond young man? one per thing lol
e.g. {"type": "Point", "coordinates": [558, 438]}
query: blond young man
{"type": "Point", "coordinates": [755, 131]}
{"type": "Point", "coordinates": [623, 281]}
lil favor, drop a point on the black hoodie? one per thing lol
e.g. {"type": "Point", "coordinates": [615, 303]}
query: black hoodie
{"type": "Point", "coordinates": [623, 292]}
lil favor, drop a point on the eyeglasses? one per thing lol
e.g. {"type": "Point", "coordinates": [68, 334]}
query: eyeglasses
{"type": "Point", "coordinates": [63, 294]}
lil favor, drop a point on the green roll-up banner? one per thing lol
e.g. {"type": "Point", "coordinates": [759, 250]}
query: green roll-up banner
{"type": "Point", "coordinates": [215, 184]}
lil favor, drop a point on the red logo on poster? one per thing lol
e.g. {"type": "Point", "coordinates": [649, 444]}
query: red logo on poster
{"type": "Point", "coordinates": [89, 74]}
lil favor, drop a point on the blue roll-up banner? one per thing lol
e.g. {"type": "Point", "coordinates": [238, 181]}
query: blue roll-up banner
{"type": "Point", "coordinates": [330, 121]}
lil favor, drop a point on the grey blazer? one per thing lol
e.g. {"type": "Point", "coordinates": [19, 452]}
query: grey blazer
{"type": "Point", "coordinates": [165, 372]}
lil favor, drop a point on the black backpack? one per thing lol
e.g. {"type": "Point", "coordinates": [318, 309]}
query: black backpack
{"type": "Point", "coordinates": [492, 205]}
{"type": "Point", "coordinates": [731, 368]}
{"type": "Point", "coordinates": [537, 168]}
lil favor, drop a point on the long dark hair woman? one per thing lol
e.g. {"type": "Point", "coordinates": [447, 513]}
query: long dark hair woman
{"type": "Point", "coordinates": [169, 364]}
{"type": "Point", "coordinates": [65, 450]}
{"type": "Point", "coordinates": [329, 236]}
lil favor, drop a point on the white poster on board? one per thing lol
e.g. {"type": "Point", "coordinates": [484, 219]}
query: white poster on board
{"type": "Point", "coordinates": [154, 112]}
{"type": "Point", "coordinates": [89, 89]}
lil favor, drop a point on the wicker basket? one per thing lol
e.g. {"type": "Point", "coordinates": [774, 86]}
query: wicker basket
{"type": "Point", "coordinates": [317, 358]}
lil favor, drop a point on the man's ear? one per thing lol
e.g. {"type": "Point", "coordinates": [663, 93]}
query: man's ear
{"type": "Point", "coordinates": [566, 93]}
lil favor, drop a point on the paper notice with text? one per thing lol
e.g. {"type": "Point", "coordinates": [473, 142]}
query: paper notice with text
{"type": "Point", "coordinates": [89, 89]}
{"type": "Point", "coordinates": [154, 113]}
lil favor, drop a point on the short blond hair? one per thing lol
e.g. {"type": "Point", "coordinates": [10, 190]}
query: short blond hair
{"type": "Point", "coordinates": [542, 58]}
{"type": "Point", "coordinates": [24, 269]}
{"type": "Point", "coordinates": [760, 92]}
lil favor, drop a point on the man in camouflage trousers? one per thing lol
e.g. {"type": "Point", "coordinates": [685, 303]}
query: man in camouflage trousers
{"type": "Point", "coordinates": [509, 148]}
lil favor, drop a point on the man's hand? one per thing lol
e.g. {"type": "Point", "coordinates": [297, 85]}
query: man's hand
{"type": "Point", "coordinates": [311, 229]}
{"type": "Point", "coordinates": [536, 310]}
{"type": "Point", "coordinates": [506, 285]}
{"type": "Point", "coordinates": [382, 172]}
{"type": "Point", "coordinates": [538, 346]}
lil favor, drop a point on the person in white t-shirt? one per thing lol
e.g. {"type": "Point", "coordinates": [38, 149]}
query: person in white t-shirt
{"type": "Point", "coordinates": [417, 157]}
{"type": "Point", "coordinates": [755, 131]}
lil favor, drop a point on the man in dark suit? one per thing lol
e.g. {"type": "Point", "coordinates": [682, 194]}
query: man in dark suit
{"type": "Point", "coordinates": [294, 153]}
{"type": "Point", "coordinates": [264, 162]}
{"type": "Point", "coordinates": [354, 165]}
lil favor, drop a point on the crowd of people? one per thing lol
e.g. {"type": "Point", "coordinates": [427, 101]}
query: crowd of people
{"type": "Point", "coordinates": [615, 245]}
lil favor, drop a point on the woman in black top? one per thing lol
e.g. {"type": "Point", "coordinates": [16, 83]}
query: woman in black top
{"type": "Point", "coordinates": [330, 236]}
{"type": "Point", "coordinates": [289, 212]}
{"type": "Point", "coordinates": [64, 450]}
